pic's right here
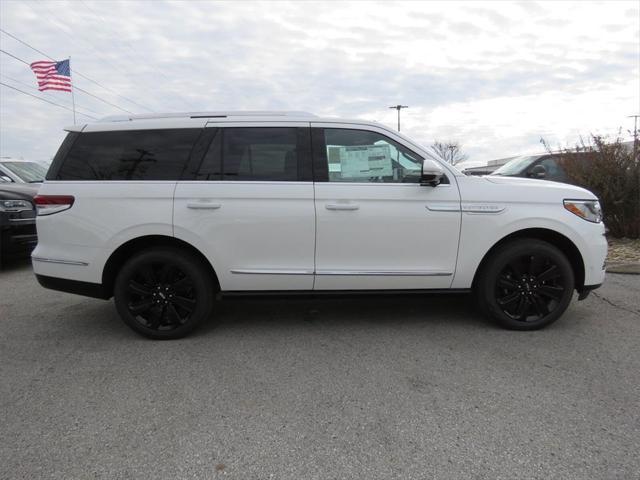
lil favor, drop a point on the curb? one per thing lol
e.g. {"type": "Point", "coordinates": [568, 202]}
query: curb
{"type": "Point", "coordinates": [629, 268]}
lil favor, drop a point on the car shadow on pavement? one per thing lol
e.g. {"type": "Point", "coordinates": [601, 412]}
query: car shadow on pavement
{"type": "Point", "coordinates": [298, 313]}
{"type": "Point", "coordinates": [15, 263]}
{"type": "Point", "coordinates": [302, 312]}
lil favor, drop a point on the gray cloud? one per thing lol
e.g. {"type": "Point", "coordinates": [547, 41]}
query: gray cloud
{"type": "Point", "coordinates": [345, 59]}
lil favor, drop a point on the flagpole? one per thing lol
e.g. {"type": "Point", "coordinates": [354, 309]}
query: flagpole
{"type": "Point", "coordinates": [73, 98]}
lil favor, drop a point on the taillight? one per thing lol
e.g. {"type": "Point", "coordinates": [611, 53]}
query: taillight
{"type": "Point", "coordinates": [48, 204]}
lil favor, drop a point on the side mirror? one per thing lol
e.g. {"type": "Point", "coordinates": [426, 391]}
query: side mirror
{"type": "Point", "coordinates": [5, 179]}
{"type": "Point", "coordinates": [538, 171]}
{"type": "Point", "coordinates": [431, 174]}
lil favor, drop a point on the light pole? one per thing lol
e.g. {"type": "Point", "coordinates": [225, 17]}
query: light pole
{"type": "Point", "coordinates": [451, 150]}
{"type": "Point", "coordinates": [398, 108]}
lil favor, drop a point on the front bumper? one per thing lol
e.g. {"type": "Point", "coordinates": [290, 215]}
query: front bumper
{"type": "Point", "coordinates": [17, 233]}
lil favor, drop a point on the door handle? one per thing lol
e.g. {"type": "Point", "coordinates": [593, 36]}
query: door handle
{"type": "Point", "coordinates": [203, 205]}
{"type": "Point", "coordinates": [341, 206]}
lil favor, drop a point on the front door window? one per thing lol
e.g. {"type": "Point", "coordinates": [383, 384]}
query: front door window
{"type": "Point", "coordinates": [360, 156]}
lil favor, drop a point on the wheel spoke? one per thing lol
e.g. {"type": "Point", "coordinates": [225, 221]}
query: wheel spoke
{"type": "Point", "coordinates": [504, 282]}
{"type": "Point", "coordinates": [140, 307]}
{"type": "Point", "coordinates": [509, 299]}
{"type": "Point", "coordinates": [172, 315]}
{"type": "Point", "coordinates": [516, 267]}
{"type": "Point", "coordinates": [139, 289]}
{"type": "Point", "coordinates": [549, 274]}
{"type": "Point", "coordinates": [521, 310]}
{"type": "Point", "coordinates": [540, 306]}
{"type": "Point", "coordinates": [551, 291]}
{"type": "Point", "coordinates": [155, 317]}
{"type": "Point", "coordinates": [186, 303]}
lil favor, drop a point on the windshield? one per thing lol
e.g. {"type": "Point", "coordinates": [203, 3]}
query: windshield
{"type": "Point", "coordinates": [516, 166]}
{"type": "Point", "coordinates": [28, 172]}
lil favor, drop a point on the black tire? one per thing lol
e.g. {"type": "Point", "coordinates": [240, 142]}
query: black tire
{"type": "Point", "coordinates": [164, 293]}
{"type": "Point", "coordinates": [526, 284]}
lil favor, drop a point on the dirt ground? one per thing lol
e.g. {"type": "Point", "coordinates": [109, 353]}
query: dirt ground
{"type": "Point", "coordinates": [623, 250]}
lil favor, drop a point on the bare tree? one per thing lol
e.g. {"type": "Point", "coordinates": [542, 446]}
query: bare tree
{"type": "Point", "coordinates": [449, 152]}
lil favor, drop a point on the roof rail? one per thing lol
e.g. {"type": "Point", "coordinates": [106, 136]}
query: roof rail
{"type": "Point", "coordinates": [220, 114]}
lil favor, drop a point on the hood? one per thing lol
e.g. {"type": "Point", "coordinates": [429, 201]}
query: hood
{"type": "Point", "coordinates": [532, 185]}
{"type": "Point", "coordinates": [22, 191]}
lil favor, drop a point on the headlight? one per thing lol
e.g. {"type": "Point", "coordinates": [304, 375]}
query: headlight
{"type": "Point", "coordinates": [588, 209]}
{"type": "Point", "coordinates": [15, 205]}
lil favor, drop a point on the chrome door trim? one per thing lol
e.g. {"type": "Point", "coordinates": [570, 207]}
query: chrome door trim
{"type": "Point", "coordinates": [271, 271]}
{"type": "Point", "coordinates": [397, 273]}
{"type": "Point", "coordinates": [63, 262]}
{"type": "Point", "coordinates": [443, 207]}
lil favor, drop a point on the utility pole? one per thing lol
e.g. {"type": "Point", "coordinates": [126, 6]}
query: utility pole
{"type": "Point", "coordinates": [635, 151]}
{"type": "Point", "coordinates": [398, 108]}
{"type": "Point", "coordinates": [635, 135]}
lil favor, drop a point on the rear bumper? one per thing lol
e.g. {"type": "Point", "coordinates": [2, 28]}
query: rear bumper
{"type": "Point", "coordinates": [86, 289]}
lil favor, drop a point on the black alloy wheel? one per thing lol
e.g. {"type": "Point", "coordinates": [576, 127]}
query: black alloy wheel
{"type": "Point", "coordinates": [525, 285]}
{"type": "Point", "coordinates": [161, 296]}
{"type": "Point", "coordinates": [529, 288]}
{"type": "Point", "coordinates": [163, 293]}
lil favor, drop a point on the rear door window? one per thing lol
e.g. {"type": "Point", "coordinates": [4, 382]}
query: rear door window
{"type": "Point", "coordinates": [129, 155]}
{"type": "Point", "coordinates": [279, 154]}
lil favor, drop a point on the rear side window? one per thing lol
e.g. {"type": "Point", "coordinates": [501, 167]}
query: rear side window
{"type": "Point", "coordinates": [129, 155]}
{"type": "Point", "coordinates": [257, 154]}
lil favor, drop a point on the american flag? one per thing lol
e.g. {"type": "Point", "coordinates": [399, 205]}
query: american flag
{"type": "Point", "coordinates": [52, 75]}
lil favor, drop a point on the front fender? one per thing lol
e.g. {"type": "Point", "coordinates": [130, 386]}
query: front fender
{"type": "Point", "coordinates": [480, 232]}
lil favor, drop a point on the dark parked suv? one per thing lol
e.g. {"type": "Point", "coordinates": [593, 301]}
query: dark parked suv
{"type": "Point", "coordinates": [17, 219]}
{"type": "Point", "coordinates": [546, 167]}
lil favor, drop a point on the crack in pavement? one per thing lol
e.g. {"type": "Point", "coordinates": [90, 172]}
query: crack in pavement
{"type": "Point", "coordinates": [615, 305]}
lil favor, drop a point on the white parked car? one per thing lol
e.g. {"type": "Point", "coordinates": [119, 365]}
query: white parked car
{"type": "Point", "coordinates": [165, 212]}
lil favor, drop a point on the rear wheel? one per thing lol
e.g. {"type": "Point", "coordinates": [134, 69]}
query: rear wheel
{"type": "Point", "coordinates": [163, 293]}
{"type": "Point", "coordinates": [525, 285]}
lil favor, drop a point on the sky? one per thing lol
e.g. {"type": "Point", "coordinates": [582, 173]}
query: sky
{"type": "Point", "coordinates": [494, 77]}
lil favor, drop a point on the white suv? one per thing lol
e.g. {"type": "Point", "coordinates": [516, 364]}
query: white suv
{"type": "Point", "coordinates": [165, 212]}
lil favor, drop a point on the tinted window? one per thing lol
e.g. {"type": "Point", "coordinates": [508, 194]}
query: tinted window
{"type": "Point", "coordinates": [129, 155]}
{"type": "Point", "coordinates": [554, 170]}
{"type": "Point", "coordinates": [260, 153]}
{"type": "Point", "coordinates": [364, 156]}
{"type": "Point", "coordinates": [28, 172]}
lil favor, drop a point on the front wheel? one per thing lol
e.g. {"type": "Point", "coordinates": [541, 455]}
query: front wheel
{"type": "Point", "coordinates": [525, 285]}
{"type": "Point", "coordinates": [163, 293]}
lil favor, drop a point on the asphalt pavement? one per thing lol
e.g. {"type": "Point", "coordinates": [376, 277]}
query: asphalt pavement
{"type": "Point", "coordinates": [358, 388]}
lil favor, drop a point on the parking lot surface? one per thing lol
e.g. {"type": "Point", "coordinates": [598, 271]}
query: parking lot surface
{"type": "Point", "coordinates": [386, 387]}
